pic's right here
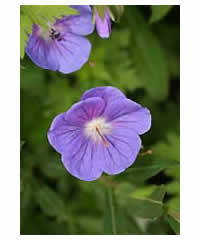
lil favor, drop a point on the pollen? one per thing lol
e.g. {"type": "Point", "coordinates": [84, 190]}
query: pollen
{"type": "Point", "coordinates": [97, 129]}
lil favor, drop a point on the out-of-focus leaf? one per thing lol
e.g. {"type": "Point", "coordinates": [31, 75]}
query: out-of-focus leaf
{"type": "Point", "coordinates": [146, 167]}
{"type": "Point", "coordinates": [169, 148]}
{"type": "Point", "coordinates": [145, 208]}
{"type": "Point", "coordinates": [174, 221]}
{"type": "Point", "coordinates": [116, 12]}
{"type": "Point", "coordinates": [118, 219]}
{"type": "Point", "coordinates": [53, 168]}
{"type": "Point", "coordinates": [159, 193]}
{"type": "Point", "coordinates": [126, 223]}
{"type": "Point", "coordinates": [50, 202]}
{"type": "Point", "coordinates": [148, 58]}
{"type": "Point", "coordinates": [142, 206]}
{"type": "Point", "coordinates": [159, 11]}
{"type": "Point", "coordinates": [32, 80]}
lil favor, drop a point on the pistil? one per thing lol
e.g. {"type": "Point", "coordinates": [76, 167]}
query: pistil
{"type": "Point", "coordinates": [105, 142]}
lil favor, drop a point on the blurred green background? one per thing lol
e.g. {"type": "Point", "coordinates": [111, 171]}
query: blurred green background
{"type": "Point", "coordinates": [142, 59]}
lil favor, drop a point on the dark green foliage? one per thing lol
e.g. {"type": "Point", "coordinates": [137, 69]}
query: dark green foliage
{"type": "Point", "coordinates": [142, 59]}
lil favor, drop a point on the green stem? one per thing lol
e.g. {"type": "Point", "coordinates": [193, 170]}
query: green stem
{"type": "Point", "coordinates": [112, 210]}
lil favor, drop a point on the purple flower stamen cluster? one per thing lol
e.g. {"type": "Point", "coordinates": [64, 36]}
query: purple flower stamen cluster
{"type": "Point", "coordinates": [100, 133]}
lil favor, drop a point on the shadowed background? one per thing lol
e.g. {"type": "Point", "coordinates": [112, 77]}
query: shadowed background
{"type": "Point", "coordinates": [142, 59]}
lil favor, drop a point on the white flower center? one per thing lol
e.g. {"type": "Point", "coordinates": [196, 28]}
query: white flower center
{"type": "Point", "coordinates": [97, 129]}
{"type": "Point", "coordinates": [52, 33]}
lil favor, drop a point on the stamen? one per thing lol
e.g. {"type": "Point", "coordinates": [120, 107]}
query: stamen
{"type": "Point", "coordinates": [105, 142]}
{"type": "Point", "coordinates": [54, 34]}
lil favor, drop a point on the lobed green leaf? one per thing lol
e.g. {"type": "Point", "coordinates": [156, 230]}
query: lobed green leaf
{"type": "Point", "coordinates": [159, 12]}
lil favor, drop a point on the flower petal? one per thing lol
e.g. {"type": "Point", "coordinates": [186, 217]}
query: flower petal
{"type": "Point", "coordinates": [79, 24]}
{"type": "Point", "coordinates": [124, 145]}
{"type": "Point", "coordinates": [66, 56]}
{"type": "Point", "coordinates": [81, 159]}
{"type": "Point", "coordinates": [61, 134]}
{"type": "Point", "coordinates": [107, 93]}
{"type": "Point", "coordinates": [103, 26]}
{"type": "Point", "coordinates": [128, 114]}
{"type": "Point", "coordinates": [85, 110]}
{"type": "Point", "coordinates": [67, 127]}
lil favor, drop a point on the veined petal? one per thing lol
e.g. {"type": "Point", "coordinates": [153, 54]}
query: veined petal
{"type": "Point", "coordinates": [107, 93]}
{"type": "Point", "coordinates": [61, 134]}
{"type": "Point", "coordinates": [79, 24]}
{"type": "Point", "coordinates": [128, 114]}
{"type": "Point", "coordinates": [86, 110]}
{"type": "Point", "coordinates": [67, 55]}
{"type": "Point", "coordinates": [81, 159]}
{"type": "Point", "coordinates": [124, 146]}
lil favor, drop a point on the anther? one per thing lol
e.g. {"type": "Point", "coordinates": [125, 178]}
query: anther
{"type": "Point", "coordinates": [53, 34]}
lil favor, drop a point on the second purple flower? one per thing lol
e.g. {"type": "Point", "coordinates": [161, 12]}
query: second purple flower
{"type": "Point", "coordinates": [63, 48]}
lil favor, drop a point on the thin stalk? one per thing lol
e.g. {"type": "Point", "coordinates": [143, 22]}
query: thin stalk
{"type": "Point", "coordinates": [112, 210]}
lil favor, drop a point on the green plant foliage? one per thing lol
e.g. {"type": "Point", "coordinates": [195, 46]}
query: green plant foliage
{"type": "Point", "coordinates": [174, 221]}
{"type": "Point", "coordinates": [140, 202]}
{"type": "Point", "coordinates": [150, 62]}
{"type": "Point", "coordinates": [39, 14]}
{"type": "Point", "coordinates": [50, 202]}
{"type": "Point", "coordinates": [142, 60]}
{"type": "Point", "coordinates": [159, 11]}
{"type": "Point", "coordinates": [25, 29]}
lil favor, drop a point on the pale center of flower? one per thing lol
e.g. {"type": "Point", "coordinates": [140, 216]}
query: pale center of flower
{"type": "Point", "coordinates": [97, 129]}
{"type": "Point", "coordinates": [52, 33]}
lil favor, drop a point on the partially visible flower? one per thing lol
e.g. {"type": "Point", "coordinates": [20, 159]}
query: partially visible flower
{"type": "Point", "coordinates": [100, 133]}
{"type": "Point", "coordinates": [103, 25]}
{"type": "Point", "coordinates": [62, 48]}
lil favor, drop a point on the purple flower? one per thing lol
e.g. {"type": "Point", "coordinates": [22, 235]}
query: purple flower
{"type": "Point", "coordinates": [103, 26]}
{"type": "Point", "coordinates": [63, 47]}
{"type": "Point", "coordinates": [100, 133]}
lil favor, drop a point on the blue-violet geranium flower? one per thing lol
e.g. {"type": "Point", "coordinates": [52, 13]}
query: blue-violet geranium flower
{"type": "Point", "coordinates": [100, 133]}
{"type": "Point", "coordinates": [63, 48]}
{"type": "Point", "coordinates": [103, 26]}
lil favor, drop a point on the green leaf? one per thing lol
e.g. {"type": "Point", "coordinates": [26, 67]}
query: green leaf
{"type": "Point", "coordinates": [126, 223]}
{"type": "Point", "coordinates": [143, 207]}
{"type": "Point", "coordinates": [146, 167]}
{"type": "Point", "coordinates": [174, 221]}
{"type": "Point", "coordinates": [169, 148]}
{"type": "Point", "coordinates": [53, 169]}
{"type": "Point", "coordinates": [50, 202]}
{"type": "Point", "coordinates": [159, 11]}
{"type": "Point", "coordinates": [139, 203]}
{"type": "Point", "coordinates": [40, 14]}
{"type": "Point", "coordinates": [148, 58]}
{"type": "Point", "coordinates": [109, 214]}
{"type": "Point", "coordinates": [25, 29]}
{"type": "Point", "coordinates": [159, 193]}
